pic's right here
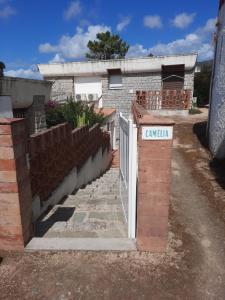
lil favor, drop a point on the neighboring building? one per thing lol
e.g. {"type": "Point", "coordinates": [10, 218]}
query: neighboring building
{"type": "Point", "coordinates": [115, 82]}
{"type": "Point", "coordinates": [25, 98]}
{"type": "Point", "coordinates": [216, 121]}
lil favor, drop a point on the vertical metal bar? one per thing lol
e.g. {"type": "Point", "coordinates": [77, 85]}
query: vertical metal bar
{"type": "Point", "coordinates": [132, 179]}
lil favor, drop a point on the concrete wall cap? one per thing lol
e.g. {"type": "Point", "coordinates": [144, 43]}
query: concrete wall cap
{"type": "Point", "coordinates": [143, 117]}
{"type": "Point", "coordinates": [9, 121]}
{"type": "Point", "coordinates": [149, 119]}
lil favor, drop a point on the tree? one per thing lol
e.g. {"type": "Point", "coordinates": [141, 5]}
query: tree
{"type": "Point", "coordinates": [107, 46]}
{"type": "Point", "coordinates": [2, 67]}
{"type": "Point", "coordinates": [202, 85]}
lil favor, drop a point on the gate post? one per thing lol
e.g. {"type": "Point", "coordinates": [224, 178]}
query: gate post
{"type": "Point", "coordinates": [155, 138]}
{"type": "Point", "coordinates": [15, 191]}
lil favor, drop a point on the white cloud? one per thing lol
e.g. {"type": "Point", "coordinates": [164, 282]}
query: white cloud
{"type": "Point", "coordinates": [58, 58]}
{"type": "Point", "coordinates": [183, 20]}
{"type": "Point", "coordinates": [31, 73]}
{"type": "Point", "coordinates": [72, 11]}
{"type": "Point", "coordinates": [153, 21]}
{"type": "Point", "coordinates": [74, 46]}
{"type": "Point", "coordinates": [7, 11]}
{"type": "Point", "coordinates": [137, 50]}
{"type": "Point", "coordinates": [208, 28]}
{"type": "Point", "coordinates": [125, 21]}
{"type": "Point", "coordinates": [198, 41]}
{"type": "Point", "coordinates": [47, 48]}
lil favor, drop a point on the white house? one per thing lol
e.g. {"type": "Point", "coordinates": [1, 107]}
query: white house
{"type": "Point", "coordinates": [115, 82]}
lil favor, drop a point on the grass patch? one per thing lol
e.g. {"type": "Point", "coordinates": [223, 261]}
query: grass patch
{"type": "Point", "coordinates": [194, 111]}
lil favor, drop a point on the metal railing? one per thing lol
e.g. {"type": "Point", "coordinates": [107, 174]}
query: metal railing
{"type": "Point", "coordinates": [128, 171]}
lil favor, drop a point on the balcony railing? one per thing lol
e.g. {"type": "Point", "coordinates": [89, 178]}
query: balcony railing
{"type": "Point", "coordinates": [164, 99]}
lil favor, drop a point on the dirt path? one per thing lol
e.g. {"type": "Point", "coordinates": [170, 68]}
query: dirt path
{"type": "Point", "coordinates": [203, 233]}
{"type": "Point", "coordinates": [192, 268]}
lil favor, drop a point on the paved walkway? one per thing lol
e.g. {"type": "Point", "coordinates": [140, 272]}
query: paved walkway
{"type": "Point", "coordinates": [93, 212]}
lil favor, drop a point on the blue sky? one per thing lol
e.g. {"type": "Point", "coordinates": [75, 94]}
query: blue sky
{"type": "Point", "coordinates": [44, 31]}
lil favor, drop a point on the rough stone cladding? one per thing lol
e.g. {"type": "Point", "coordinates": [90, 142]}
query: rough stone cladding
{"type": "Point", "coordinates": [62, 88]}
{"type": "Point", "coordinates": [189, 81]}
{"type": "Point", "coordinates": [36, 115]}
{"type": "Point", "coordinates": [216, 127]}
{"type": "Point", "coordinates": [121, 98]}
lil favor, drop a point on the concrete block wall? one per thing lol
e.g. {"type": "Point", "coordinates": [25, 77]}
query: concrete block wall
{"type": "Point", "coordinates": [62, 88]}
{"type": "Point", "coordinates": [15, 191]}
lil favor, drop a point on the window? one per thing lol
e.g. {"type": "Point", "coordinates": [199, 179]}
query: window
{"type": "Point", "coordinates": [115, 79]}
{"type": "Point", "coordinates": [173, 77]}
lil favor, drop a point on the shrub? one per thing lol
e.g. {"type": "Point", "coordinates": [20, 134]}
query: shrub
{"type": "Point", "coordinates": [76, 114]}
{"type": "Point", "coordinates": [202, 85]}
{"type": "Point", "coordinates": [54, 114]}
{"type": "Point", "coordinates": [194, 111]}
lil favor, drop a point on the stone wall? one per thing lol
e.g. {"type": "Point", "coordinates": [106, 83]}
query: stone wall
{"type": "Point", "coordinates": [62, 88]}
{"type": "Point", "coordinates": [189, 82]}
{"type": "Point", "coordinates": [121, 99]}
{"type": "Point", "coordinates": [34, 115]}
{"type": "Point", "coordinates": [216, 128]}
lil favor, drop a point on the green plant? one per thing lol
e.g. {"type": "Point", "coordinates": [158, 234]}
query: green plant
{"type": "Point", "coordinates": [202, 85]}
{"type": "Point", "coordinates": [107, 46]}
{"type": "Point", "coordinates": [194, 111]}
{"type": "Point", "coordinates": [54, 114]}
{"type": "Point", "coordinates": [76, 114]}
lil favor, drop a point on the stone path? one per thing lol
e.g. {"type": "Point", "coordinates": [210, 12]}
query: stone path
{"type": "Point", "coordinates": [92, 212]}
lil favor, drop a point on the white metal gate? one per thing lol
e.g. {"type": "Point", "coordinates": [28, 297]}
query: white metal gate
{"type": "Point", "coordinates": [128, 171]}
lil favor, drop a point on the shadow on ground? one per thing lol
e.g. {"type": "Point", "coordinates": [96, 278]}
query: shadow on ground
{"type": "Point", "coordinates": [216, 166]}
{"type": "Point", "coordinates": [62, 214]}
{"type": "Point", "coordinates": [200, 130]}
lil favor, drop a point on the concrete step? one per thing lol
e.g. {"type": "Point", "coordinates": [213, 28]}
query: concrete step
{"type": "Point", "coordinates": [105, 183]}
{"type": "Point", "coordinates": [92, 196]}
{"type": "Point", "coordinates": [98, 185]}
{"type": "Point", "coordinates": [96, 194]}
{"type": "Point", "coordinates": [79, 244]}
{"type": "Point", "coordinates": [89, 189]}
{"type": "Point", "coordinates": [88, 206]}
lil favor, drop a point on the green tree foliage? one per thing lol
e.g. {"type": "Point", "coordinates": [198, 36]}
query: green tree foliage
{"type": "Point", "coordinates": [202, 85]}
{"type": "Point", "coordinates": [2, 67]}
{"type": "Point", "coordinates": [107, 46]}
{"type": "Point", "coordinates": [76, 114]}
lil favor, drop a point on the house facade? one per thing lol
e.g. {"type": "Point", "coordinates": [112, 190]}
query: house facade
{"type": "Point", "coordinates": [216, 121]}
{"type": "Point", "coordinates": [115, 82]}
{"type": "Point", "coordinates": [25, 98]}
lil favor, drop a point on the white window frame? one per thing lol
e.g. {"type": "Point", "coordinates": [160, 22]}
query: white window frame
{"type": "Point", "coordinates": [115, 86]}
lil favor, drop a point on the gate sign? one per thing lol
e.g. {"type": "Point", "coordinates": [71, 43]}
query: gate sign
{"type": "Point", "coordinates": [157, 133]}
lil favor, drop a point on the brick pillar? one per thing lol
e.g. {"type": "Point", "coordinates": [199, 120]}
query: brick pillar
{"type": "Point", "coordinates": [15, 192]}
{"type": "Point", "coordinates": [154, 181]}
